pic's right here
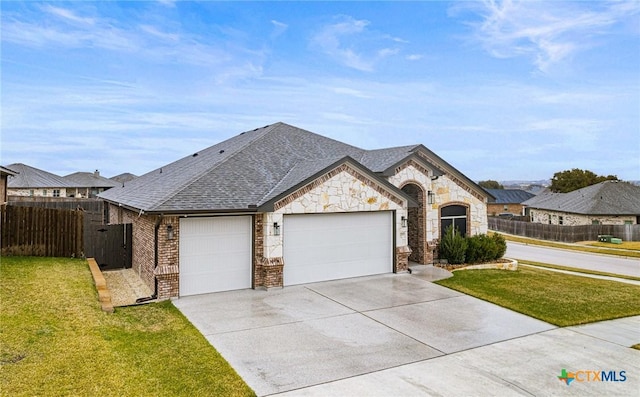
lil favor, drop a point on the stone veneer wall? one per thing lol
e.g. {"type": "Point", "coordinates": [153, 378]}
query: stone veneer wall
{"type": "Point", "coordinates": [569, 219]}
{"type": "Point", "coordinates": [344, 189]}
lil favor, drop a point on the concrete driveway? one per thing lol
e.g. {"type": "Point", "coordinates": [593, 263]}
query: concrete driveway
{"type": "Point", "coordinates": [395, 334]}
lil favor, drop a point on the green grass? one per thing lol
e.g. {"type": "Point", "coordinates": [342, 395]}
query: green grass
{"type": "Point", "coordinates": [556, 298]}
{"type": "Point", "coordinates": [611, 249]}
{"type": "Point", "coordinates": [55, 340]}
{"type": "Point", "coordinates": [627, 245]}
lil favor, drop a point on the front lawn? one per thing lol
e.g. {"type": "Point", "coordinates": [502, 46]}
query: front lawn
{"type": "Point", "coordinates": [55, 340]}
{"type": "Point", "coordinates": [556, 298]}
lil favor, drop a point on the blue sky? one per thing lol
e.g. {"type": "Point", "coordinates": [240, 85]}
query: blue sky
{"type": "Point", "coordinates": [501, 90]}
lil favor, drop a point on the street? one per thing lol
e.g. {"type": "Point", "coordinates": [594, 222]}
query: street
{"type": "Point", "coordinates": [583, 260]}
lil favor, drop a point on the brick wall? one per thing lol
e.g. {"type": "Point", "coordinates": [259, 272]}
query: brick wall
{"type": "Point", "coordinates": [496, 209]}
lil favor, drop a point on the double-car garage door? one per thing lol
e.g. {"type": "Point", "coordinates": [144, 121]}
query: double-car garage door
{"type": "Point", "coordinates": [324, 247]}
{"type": "Point", "coordinates": [216, 252]}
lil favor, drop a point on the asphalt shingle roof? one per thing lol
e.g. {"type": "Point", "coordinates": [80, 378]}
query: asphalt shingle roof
{"type": "Point", "coordinates": [605, 198]}
{"type": "Point", "coordinates": [510, 196]}
{"type": "Point", "coordinates": [34, 178]}
{"type": "Point", "coordinates": [247, 170]}
{"type": "Point", "coordinates": [90, 179]}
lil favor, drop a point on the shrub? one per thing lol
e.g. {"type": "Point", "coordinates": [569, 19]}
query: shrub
{"type": "Point", "coordinates": [483, 248]}
{"type": "Point", "coordinates": [453, 246]}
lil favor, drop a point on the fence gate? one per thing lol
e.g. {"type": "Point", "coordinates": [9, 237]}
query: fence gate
{"type": "Point", "coordinates": [110, 245]}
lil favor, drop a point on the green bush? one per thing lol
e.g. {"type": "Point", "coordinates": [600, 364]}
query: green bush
{"type": "Point", "coordinates": [453, 246]}
{"type": "Point", "coordinates": [483, 248]}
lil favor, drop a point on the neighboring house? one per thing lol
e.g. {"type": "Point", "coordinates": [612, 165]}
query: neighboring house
{"type": "Point", "coordinates": [508, 201]}
{"type": "Point", "coordinates": [34, 182]}
{"type": "Point", "coordinates": [279, 206]}
{"type": "Point", "coordinates": [123, 178]}
{"type": "Point", "coordinates": [5, 173]}
{"type": "Point", "coordinates": [606, 203]}
{"type": "Point", "coordinates": [90, 183]}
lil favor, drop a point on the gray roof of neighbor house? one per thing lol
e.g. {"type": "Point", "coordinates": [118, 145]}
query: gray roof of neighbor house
{"type": "Point", "coordinates": [604, 198]}
{"type": "Point", "coordinates": [91, 180]}
{"type": "Point", "coordinates": [510, 196]}
{"type": "Point", "coordinates": [249, 170]}
{"type": "Point", "coordinates": [123, 178]}
{"type": "Point", "coordinates": [34, 178]}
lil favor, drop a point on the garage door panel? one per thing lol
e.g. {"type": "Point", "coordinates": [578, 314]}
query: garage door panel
{"type": "Point", "coordinates": [333, 246]}
{"type": "Point", "coordinates": [215, 254]}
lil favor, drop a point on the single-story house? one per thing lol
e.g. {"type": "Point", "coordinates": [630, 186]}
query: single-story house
{"type": "Point", "coordinates": [507, 201]}
{"type": "Point", "coordinates": [90, 183]}
{"type": "Point", "coordinates": [280, 206]}
{"type": "Point", "coordinates": [605, 203]}
{"type": "Point", "coordinates": [5, 173]}
{"type": "Point", "coordinates": [34, 182]}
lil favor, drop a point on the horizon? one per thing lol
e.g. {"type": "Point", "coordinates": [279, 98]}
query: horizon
{"type": "Point", "coordinates": [500, 90]}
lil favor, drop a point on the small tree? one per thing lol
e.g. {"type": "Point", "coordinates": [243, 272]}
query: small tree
{"type": "Point", "coordinates": [570, 180]}
{"type": "Point", "coordinates": [490, 184]}
{"type": "Point", "coordinates": [453, 246]}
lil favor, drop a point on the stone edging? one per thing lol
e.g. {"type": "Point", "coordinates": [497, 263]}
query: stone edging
{"type": "Point", "coordinates": [511, 265]}
{"type": "Point", "coordinates": [104, 296]}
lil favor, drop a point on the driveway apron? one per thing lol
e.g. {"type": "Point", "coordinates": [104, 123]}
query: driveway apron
{"type": "Point", "coordinates": [300, 336]}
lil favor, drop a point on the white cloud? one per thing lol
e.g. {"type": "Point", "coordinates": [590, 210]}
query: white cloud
{"type": "Point", "coordinates": [68, 15]}
{"type": "Point", "coordinates": [278, 28]}
{"type": "Point", "coordinates": [546, 32]}
{"type": "Point", "coordinates": [414, 57]}
{"type": "Point", "coordinates": [351, 43]}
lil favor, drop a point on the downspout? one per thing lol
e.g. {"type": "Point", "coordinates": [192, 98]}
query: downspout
{"type": "Point", "coordinates": [156, 250]}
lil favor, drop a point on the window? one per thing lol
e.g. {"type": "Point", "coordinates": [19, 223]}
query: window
{"type": "Point", "coordinates": [506, 207]}
{"type": "Point", "coordinates": [560, 220]}
{"type": "Point", "coordinates": [56, 192]}
{"type": "Point", "coordinates": [455, 215]}
{"type": "Point", "coordinates": [44, 192]}
{"type": "Point", "coordinates": [595, 222]}
{"type": "Point", "coordinates": [628, 222]}
{"type": "Point", "coordinates": [31, 192]}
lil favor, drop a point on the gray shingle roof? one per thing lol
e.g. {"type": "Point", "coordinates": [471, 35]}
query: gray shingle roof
{"type": "Point", "coordinates": [123, 178]}
{"type": "Point", "coordinates": [34, 178]}
{"type": "Point", "coordinates": [90, 179]}
{"type": "Point", "coordinates": [247, 170]}
{"type": "Point", "coordinates": [605, 198]}
{"type": "Point", "coordinates": [510, 196]}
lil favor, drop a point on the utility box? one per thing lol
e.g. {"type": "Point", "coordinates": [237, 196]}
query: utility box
{"type": "Point", "coordinates": [605, 238]}
{"type": "Point", "coordinates": [616, 241]}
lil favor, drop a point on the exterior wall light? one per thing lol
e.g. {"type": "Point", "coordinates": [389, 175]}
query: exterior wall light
{"type": "Point", "coordinates": [169, 232]}
{"type": "Point", "coordinates": [276, 229]}
{"type": "Point", "coordinates": [430, 197]}
{"type": "Point", "coordinates": [403, 221]}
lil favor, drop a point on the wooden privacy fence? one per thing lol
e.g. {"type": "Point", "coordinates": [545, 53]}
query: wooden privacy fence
{"type": "Point", "coordinates": [41, 231]}
{"type": "Point", "coordinates": [567, 234]}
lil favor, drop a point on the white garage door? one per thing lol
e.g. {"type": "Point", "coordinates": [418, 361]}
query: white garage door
{"type": "Point", "coordinates": [323, 247]}
{"type": "Point", "coordinates": [215, 254]}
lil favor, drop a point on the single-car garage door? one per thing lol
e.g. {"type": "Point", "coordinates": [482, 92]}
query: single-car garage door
{"type": "Point", "coordinates": [215, 254]}
{"type": "Point", "coordinates": [323, 247]}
